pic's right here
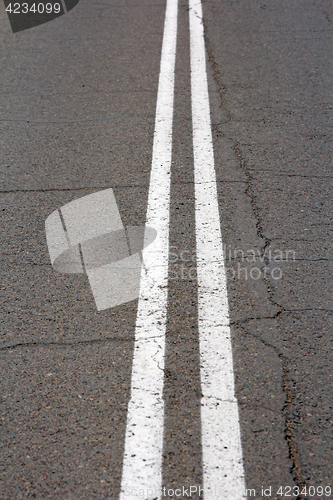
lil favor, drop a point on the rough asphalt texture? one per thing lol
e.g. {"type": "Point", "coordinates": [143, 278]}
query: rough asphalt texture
{"type": "Point", "coordinates": [77, 115]}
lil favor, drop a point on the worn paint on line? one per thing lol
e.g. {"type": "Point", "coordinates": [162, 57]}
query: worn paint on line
{"type": "Point", "coordinates": [142, 465]}
{"type": "Point", "coordinates": [223, 473]}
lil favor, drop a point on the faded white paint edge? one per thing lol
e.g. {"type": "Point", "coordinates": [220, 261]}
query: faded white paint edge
{"type": "Point", "coordinates": [142, 465]}
{"type": "Point", "coordinates": [223, 473]}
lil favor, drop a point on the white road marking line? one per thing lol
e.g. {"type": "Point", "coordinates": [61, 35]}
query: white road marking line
{"type": "Point", "coordinates": [221, 444]}
{"type": "Point", "coordinates": [142, 466]}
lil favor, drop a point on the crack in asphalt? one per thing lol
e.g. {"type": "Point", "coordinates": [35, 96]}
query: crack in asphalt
{"type": "Point", "coordinates": [103, 340]}
{"type": "Point", "coordinates": [290, 403]}
{"type": "Point", "coordinates": [114, 186]}
{"type": "Point", "coordinates": [319, 4]}
{"type": "Point", "coordinates": [84, 120]}
{"type": "Point", "coordinates": [271, 174]}
{"type": "Point", "coordinates": [65, 344]}
{"type": "Point", "coordinates": [80, 93]}
{"type": "Point", "coordinates": [275, 316]}
{"type": "Point", "coordinates": [290, 411]}
{"type": "Point", "coordinates": [46, 190]}
{"type": "Point", "coordinates": [323, 259]}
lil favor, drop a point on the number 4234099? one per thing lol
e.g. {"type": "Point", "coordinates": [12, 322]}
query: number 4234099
{"type": "Point", "coordinates": [310, 491]}
{"type": "Point", "coordinates": [35, 8]}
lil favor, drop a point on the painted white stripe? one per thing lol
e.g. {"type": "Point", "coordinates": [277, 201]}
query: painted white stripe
{"type": "Point", "coordinates": [142, 467]}
{"type": "Point", "coordinates": [221, 444]}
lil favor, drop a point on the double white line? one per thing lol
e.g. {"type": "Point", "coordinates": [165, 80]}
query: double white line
{"type": "Point", "coordinates": [223, 475]}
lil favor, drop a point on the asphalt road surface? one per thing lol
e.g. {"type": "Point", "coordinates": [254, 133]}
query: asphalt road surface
{"type": "Point", "coordinates": [78, 116]}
